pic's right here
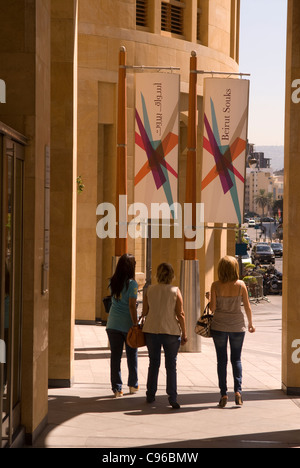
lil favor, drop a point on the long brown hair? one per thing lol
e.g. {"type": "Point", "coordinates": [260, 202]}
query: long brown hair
{"type": "Point", "coordinates": [125, 271]}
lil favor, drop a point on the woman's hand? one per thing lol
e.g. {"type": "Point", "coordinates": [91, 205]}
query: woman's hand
{"type": "Point", "coordinates": [184, 340]}
{"type": "Point", "coordinates": [251, 328]}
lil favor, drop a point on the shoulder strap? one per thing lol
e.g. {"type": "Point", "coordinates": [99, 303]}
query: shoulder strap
{"type": "Point", "coordinates": [207, 309]}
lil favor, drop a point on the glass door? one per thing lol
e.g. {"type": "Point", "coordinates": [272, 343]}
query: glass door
{"type": "Point", "coordinates": [11, 235]}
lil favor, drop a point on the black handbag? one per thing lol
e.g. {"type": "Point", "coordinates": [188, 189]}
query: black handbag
{"type": "Point", "coordinates": [202, 327]}
{"type": "Point", "coordinates": [107, 303]}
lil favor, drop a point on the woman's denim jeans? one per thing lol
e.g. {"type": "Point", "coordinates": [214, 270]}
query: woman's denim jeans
{"type": "Point", "coordinates": [171, 345]}
{"type": "Point", "coordinates": [236, 341]}
{"type": "Point", "coordinates": [116, 341]}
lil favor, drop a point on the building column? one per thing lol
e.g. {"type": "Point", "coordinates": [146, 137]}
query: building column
{"type": "Point", "coordinates": [220, 246]}
{"type": "Point", "coordinates": [291, 211]}
{"type": "Point", "coordinates": [231, 240]}
{"type": "Point", "coordinates": [25, 67]}
{"type": "Point", "coordinates": [207, 261]}
{"type": "Point", "coordinates": [63, 192]}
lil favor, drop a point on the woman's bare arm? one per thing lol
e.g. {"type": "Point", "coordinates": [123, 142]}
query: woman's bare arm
{"type": "Point", "coordinates": [247, 307]}
{"type": "Point", "coordinates": [145, 305]}
{"type": "Point", "coordinates": [133, 311]}
{"type": "Point", "coordinates": [213, 298]}
{"type": "Point", "coordinates": [181, 316]}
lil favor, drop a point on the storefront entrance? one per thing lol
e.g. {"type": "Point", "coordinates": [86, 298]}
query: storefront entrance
{"type": "Point", "coordinates": [11, 254]}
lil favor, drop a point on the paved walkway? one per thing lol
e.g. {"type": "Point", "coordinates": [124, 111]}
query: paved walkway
{"type": "Point", "coordinates": [86, 415]}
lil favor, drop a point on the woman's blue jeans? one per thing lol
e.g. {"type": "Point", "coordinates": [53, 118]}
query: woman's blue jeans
{"type": "Point", "coordinates": [236, 341]}
{"type": "Point", "coordinates": [116, 340]}
{"type": "Point", "coordinates": [171, 345]}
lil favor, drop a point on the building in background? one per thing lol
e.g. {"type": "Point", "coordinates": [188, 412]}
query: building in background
{"type": "Point", "coordinates": [260, 176]}
{"type": "Point", "coordinates": [154, 33]}
{"type": "Point", "coordinates": [256, 180]}
{"type": "Point", "coordinates": [278, 185]}
{"type": "Point", "coordinates": [261, 161]}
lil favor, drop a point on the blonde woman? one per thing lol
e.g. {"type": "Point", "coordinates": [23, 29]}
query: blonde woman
{"type": "Point", "coordinates": [164, 327]}
{"type": "Point", "coordinates": [228, 324]}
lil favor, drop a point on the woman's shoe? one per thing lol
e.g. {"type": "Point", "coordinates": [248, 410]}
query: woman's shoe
{"type": "Point", "coordinates": [175, 405]}
{"type": "Point", "coordinates": [238, 399]}
{"type": "Point", "coordinates": [118, 394]}
{"type": "Point", "coordinates": [150, 399]}
{"type": "Point", "coordinates": [223, 402]}
{"type": "Point", "coordinates": [133, 390]}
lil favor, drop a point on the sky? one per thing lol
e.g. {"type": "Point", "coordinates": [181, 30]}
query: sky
{"type": "Point", "coordinates": [263, 55]}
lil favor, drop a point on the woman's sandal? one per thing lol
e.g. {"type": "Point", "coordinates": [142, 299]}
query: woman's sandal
{"type": "Point", "coordinates": [223, 402]}
{"type": "Point", "coordinates": [238, 399]}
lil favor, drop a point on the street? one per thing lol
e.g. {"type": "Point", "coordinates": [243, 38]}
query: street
{"type": "Point", "coordinates": [257, 235]}
{"type": "Point", "coordinates": [254, 236]}
{"type": "Point", "coordinates": [267, 319]}
{"type": "Point", "coordinates": [267, 314]}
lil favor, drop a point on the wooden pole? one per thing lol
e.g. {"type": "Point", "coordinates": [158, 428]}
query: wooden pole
{"type": "Point", "coordinates": [121, 237]}
{"type": "Point", "coordinates": [191, 179]}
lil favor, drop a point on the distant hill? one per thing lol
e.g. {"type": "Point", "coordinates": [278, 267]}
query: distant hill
{"type": "Point", "coordinates": [275, 153]}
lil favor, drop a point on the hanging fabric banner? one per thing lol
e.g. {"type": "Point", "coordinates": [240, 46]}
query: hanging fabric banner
{"type": "Point", "coordinates": [224, 149]}
{"type": "Point", "coordinates": [156, 139]}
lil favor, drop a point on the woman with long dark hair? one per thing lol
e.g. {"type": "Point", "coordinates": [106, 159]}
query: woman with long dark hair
{"type": "Point", "coordinates": [122, 316]}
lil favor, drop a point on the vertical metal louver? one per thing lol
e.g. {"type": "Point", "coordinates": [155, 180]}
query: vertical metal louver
{"type": "Point", "coordinates": [172, 16]}
{"type": "Point", "coordinates": [199, 12]}
{"type": "Point", "coordinates": [142, 13]}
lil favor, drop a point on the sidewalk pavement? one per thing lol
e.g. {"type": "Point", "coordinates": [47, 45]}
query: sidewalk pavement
{"type": "Point", "coordinates": [87, 415]}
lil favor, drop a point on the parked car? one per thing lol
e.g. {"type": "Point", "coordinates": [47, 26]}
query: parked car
{"type": "Point", "coordinates": [277, 249]}
{"type": "Point", "coordinates": [262, 254]}
{"type": "Point", "coordinates": [245, 259]}
{"type": "Point", "coordinates": [251, 223]}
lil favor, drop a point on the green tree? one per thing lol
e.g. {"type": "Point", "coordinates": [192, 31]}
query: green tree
{"type": "Point", "coordinates": [264, 200]}
{"type": "Point", "coordinates": [278, 205]}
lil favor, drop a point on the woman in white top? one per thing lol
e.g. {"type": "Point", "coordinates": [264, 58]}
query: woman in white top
{"type": "Point", "coordinates": [228, 324]}
{"type": "Point", "coordinates": [164, 327]}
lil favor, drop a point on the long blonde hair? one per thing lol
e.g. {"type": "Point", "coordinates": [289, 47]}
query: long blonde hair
{"type": "Point", "coordinates": [228, 269]}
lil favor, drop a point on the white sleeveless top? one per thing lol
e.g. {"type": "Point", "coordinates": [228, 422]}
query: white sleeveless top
{"type": "Point", "coordinates": [161, 316]}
